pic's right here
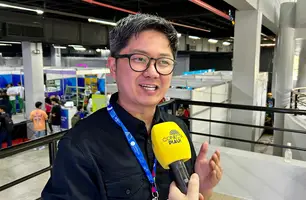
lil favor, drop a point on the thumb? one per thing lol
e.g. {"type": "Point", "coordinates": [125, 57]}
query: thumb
{"type": "Point", "coordinates": [175, 193]}
{"type": "Point", "coordinates": [203, 151]}
{"type": "Point", "coordinates": [193, 187]}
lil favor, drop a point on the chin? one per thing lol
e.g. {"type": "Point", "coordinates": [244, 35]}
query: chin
{"type": "Point", "coordinates": [150, 101]}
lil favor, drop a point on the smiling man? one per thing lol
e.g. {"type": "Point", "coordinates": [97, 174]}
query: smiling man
{"type": "Point", "coordinates": [96, 160]}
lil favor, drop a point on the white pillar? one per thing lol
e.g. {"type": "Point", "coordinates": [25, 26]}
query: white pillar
{"type": "Point", "coordinates": [245, 71]}
{"type": "Point", "coordinates": [301, 80]}
{"type": "Point", "coordinates": [283, 68]}
{"type": "Point", "coordinates": [32, 56]}
{"type": "Point", "coordinates": [56, 57]}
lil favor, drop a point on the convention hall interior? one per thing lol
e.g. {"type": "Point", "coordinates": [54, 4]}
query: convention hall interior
{"type": "Point", "coordinates": [238, 83]}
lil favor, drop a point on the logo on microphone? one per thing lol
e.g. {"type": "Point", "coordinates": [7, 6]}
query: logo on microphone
{"type": "Point", "coordinates": [173, 138]}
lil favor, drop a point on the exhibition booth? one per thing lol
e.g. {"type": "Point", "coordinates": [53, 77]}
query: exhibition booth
{"type": "Point", "coordinates": [74, 86]}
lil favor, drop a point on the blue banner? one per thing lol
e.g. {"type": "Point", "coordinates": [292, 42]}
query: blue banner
{"type": "Point", "coordinates": [203, 71]}
{"type": "Point", "coordinates": [64, 118]}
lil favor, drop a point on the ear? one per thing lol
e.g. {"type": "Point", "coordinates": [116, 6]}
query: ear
{"type": "Point", "coordinates": [111, 63]}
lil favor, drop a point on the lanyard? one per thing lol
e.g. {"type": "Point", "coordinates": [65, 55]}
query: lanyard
{"type": "Point", "coordinates": [137, 151]}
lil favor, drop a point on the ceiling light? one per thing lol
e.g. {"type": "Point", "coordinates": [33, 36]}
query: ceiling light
{"type": "Point", "coordinates": [102, 22]}
{"type": "Point", "coordinates": [59, 47]}
{"type": "Point", "coordinates": [265, 39]}
{"type": "Point", "coordinates": [232, 37]}
{"type": "Point", "coordinates": [213, 41]}
{"type": "Point", "coordinates": [40, 12]}
{"type": "Point", "coordinates": [98, 50]}
{"type": "Point", "coordinates": [1, 44]}
{"type": "Point", "coordinates": [79, 48]}
{"type": "Point", "coordinates": [268, 45]}
{"type": "Point", "coordinates": [194, 37]}
{"type": "Point", "coordinates": [226, 43]}
{"type": "Point", "coordinates": [179, 35]}
{"type": "Point", "coordinates": [10, 42]}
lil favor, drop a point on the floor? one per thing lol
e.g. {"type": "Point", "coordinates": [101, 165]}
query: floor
{"type": "Point", "coordinates": [261, 148]}
{"type": "Point", "coordinates": [28, 162]}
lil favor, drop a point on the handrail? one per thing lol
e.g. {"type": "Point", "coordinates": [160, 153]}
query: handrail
{"type": "Point", "coordinates": [51, 139]}
{"type": "Point", "coordinates": [242, 107]}
{"type": "Point", "coordinates": [30, 144]}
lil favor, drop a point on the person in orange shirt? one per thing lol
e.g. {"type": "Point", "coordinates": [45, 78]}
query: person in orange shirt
{"type": "Point", "coordinates": [39, 118]}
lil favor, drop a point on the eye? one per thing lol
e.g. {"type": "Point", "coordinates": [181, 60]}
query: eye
{"type": "Point", "coordinates": [165, 62]}
{"type": "Point", "coordinates": [139, 59]}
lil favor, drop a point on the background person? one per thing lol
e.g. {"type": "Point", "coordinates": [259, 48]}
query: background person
{"type": "Point", "coordinates": [48, 108]}
{"type": "Point", "coordinates": [39, 118]}
{"type": "Point", "coordinates": [20, 96]}
{"type": "Point", "coordinates": [12, 93]}
{"type": "Point", "coordinates": [56, 115]}
{"type": "Point", "coordinates": [6, 127]}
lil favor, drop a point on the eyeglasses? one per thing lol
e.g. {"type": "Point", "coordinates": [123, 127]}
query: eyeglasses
{"type": "Point", "coordinates": [140, 63]}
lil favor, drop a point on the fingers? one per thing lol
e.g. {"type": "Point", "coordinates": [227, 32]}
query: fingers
{"type": "Point", "coordinates": [216, 170]}
{"type": "Point", "coordinates": [203, 151]}
{"type": "Point", "coordinates": [175, 193]}
{"type": "Point", "coordinates": [193, 187]}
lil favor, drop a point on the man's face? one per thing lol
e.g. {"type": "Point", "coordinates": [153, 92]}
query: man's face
{"type": "Point", "coordinates": [130, 83]}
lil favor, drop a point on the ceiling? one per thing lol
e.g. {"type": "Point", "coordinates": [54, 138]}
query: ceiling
{"type": "Point", "coordinates": [179, 11]}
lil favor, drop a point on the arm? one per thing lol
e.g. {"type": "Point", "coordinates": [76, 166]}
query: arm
{"type": "Point", "coordinates": [72, 176]}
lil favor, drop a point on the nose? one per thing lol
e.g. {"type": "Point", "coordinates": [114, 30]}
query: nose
{"type": "Point", "coordinates": [151, 71]}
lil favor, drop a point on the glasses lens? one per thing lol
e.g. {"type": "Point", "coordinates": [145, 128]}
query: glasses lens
{"type": "Point", "coordinates": [164, 65]}
{"type": "Point", "coordinates": [139, 62]}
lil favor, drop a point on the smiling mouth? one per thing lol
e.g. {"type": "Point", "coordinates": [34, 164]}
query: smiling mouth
{"type": "Point", "coordinates": [149, 87]}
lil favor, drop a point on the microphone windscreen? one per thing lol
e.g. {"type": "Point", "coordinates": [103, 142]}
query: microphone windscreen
{"type": "Point", "coordinates": [170, 144]}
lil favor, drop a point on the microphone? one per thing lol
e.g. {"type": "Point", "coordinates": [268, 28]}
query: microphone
{"type": "Point", "coordinates": [171, 148]}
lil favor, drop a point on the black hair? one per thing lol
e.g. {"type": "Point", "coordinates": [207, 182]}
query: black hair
{"type": "Point", "coordinates": [2, 107]}
{"type": "Point", "coordinates": [79, 107]}
{"type": "Point", "coordinates": [55, 100]}
{"type": "Point", "coordinates": [132, 25]}
{"type": "Point", "coordinates": [47, 100]}
{"type": "Point", "coordinates": [38, 104]}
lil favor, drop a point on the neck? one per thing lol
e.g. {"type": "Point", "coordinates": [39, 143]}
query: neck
{"type": "Point", "coordinates": [144, 114]}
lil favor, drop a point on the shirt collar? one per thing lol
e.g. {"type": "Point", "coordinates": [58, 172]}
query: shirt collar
{"type": "Point", "coordinates": [133, 124]}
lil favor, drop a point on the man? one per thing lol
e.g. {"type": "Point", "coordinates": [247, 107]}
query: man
{"type": "Point", "coordinates": [55, 116]}
{"type": "Point", "coordinates": [20, 90]}
{"type": "Point", "coordinates": [11, 92]}
{"type": "Point", "coordinates": [6, 127]}
{"type": "Point", "coordinates": [96, 160]}
{"type": "Point", "coordinates": [39, 118]}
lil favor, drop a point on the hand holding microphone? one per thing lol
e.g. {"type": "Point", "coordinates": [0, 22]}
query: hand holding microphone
{"type": "Point", "coordinates": [192, 192]}
{"type": "Point", "coordinates": [171, 148]}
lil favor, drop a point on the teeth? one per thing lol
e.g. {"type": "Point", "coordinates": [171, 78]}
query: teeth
{"type": "Point", "coordinates": [149, 87]}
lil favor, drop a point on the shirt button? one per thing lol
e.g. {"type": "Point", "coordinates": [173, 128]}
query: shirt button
{"type": "Point", "coordinates": [127, 191]}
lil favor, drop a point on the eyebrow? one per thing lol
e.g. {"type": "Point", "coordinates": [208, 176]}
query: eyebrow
{"type": "Point", "coordinates": [144, 52]}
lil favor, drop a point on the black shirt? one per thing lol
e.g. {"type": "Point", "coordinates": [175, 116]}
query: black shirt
{"type": "Point", "coordinates": [95, 162]}
{"type": "Point", "coordinates": [56, 120]}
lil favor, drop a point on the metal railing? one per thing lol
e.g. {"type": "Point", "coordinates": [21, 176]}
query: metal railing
{"type": "Point", "coordinates": [51, 140]}
{"type": "Point", "coordinates": [298, 97]}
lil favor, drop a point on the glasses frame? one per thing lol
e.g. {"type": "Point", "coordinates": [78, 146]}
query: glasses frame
{"type": "Point", "coordinates": [148, 65]}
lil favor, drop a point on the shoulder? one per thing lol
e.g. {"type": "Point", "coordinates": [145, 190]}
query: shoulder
{"type": "Point", "coordinates": [172, 118]}
{"type": "Point", "coordinates": [90, 129]}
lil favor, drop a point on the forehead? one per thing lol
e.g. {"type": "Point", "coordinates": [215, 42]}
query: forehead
{"type": "Point", "coordinates": [150, 41]}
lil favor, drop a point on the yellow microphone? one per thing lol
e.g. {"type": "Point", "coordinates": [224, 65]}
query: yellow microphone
{"type": "Point", "coordinates": [171, 148]}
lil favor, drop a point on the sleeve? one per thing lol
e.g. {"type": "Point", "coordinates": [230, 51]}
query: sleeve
{"type": "Point", "coordinates": [46, 116]}
{"type": "Point", "coordinates": [72, 177]}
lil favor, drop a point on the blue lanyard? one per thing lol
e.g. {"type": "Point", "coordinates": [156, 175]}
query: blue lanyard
{"type": "Point", "coordinates": [137, 151]}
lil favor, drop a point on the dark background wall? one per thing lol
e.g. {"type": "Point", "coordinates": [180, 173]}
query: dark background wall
{"type": "Point", "coordinates": [223, 61]}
